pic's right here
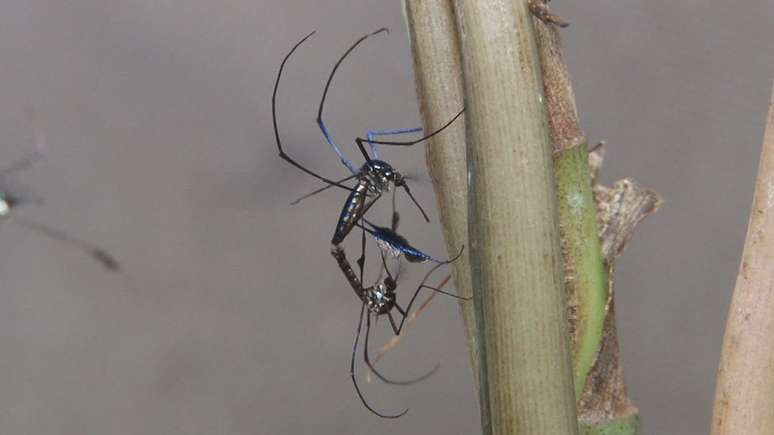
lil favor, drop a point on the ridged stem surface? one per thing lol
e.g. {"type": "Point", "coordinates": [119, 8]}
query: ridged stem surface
{"type": "Point", "coordinates": [513, 228]}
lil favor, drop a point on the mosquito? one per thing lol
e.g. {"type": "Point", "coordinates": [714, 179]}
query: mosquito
{"type": "Point", "coordinates": [378, 300]}
{"type": "Point", "coordinates": [374, 177]}
{"type": "Point", "coordinates": [11, 198]}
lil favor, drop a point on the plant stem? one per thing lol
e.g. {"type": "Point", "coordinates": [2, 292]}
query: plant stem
{"type": "Point", "coordinates": [514, 237]}
{"type": "Point", "coordinates": [603, 403]}
{"type": "Point", "coordinates": [585, 274]}
{"type": "Point", "coordinates": [629, 425]}
{"type": "Point", "coordinates": [438, 74]}
{"type": "Point", "coordinates": [744, 398]}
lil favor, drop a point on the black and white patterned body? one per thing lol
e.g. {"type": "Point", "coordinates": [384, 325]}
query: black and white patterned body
{"type": "Point", "coordinates": [379, 298]}
{"type": "Point", "coordinates": [374, 178]}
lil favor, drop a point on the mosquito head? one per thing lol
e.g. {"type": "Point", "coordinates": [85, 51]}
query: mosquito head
{"type": "Point", "coordinates": [381, 297]}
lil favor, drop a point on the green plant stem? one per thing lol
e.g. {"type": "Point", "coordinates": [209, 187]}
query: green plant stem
{"type": "Point", "coordinates": [623, 426]}
{"type": "Point", "coordinates": [603, 403]}
{"type": "Point", "coordinates": [584, 270]}
{"type": "Point", "coordinates": [513, 230]}
{"type": "Point", "coordinates": [586, 279]}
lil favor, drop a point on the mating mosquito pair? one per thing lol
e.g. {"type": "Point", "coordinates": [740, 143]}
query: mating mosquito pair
{"type": "Point", "coordinates": [372, 180]}
{"type": "Point", "coordinates": [11, 198]}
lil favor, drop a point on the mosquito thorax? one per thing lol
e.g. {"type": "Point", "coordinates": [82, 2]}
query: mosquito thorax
{"type": "Point", "coordinates": [380, 298]}
{"type": "Point", "coordinates": [381, 175]}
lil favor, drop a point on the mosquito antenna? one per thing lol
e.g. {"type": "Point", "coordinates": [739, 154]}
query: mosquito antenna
{"type": "Point", "coordinates": [325, 95]}
{"type": "Point", "coordinates": [360, 140]}
{"type": "Point", "coordinates": [352, 371]}
{"type": "Point", "coordinates": [322, 189]}
{"type": "Point", "coordinates": [381, 376]}
{"type": "Point", "coordinates": [100, 255]}
{"type": "Point", "coordinates": [282, 154]}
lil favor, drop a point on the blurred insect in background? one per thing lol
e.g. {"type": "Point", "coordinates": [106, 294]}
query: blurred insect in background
{"type": "Point", "coordinates": [12, 197]}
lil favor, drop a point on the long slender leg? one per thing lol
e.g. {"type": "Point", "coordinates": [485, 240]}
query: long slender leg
{"type": "Point", "coordinates": [385, 269]}
{"type": "Point", "coordinates": [381, 376]}
{"type": "Point", "coordinates": [437, 290]}
{"type": "Point", "coordinates": [414, 297]}
{"type": "Point", "coordinates": [361, 260]}
{"type": "Point", "coordinates": [371, 134]}
{"type": "Point", "coordinates": [322, 189]}
{"type": "Point", "coordinates": [352, 370]}
{"type": "Point", "coordinates": [360, 140]}
{"type": "Point", "coordinates": [282, 154]}
{"type": "Point", "coordinates": [99, 254]}
{"type": "Point", "coordinates": [395, 214]}
{"type": "Point", "coordinates": [320, 122]}
{"type": "Point", "coordinates": [394, 325]}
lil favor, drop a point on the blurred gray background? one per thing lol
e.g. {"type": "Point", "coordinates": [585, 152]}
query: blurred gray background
{"type": "Point", "coordinates": [230, 317]}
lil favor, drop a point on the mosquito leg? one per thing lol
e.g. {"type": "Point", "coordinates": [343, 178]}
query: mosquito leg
{"type": "Point", "coordinates": [437, 290]}
{"type": "Point", "coordinates": [377, 373]}
{"type": "Point", "coordinates": [361, 260]}
{"type": "Point", "coordinates": [320, 121]}
{"type": "Point", "coordinates": [99, 254]}
{"type": "Point", "coordinates": [384, 264]}
{"type": "Point", "coordinates": [371, 135]}
{"type": "Point", "coordinates": [394, 325]}
{"type": "Point", "coordinates": [277, 139]}
{"type": "Point", "coordinates": [352, 370]}
{"type": "Point", "coordinates": [322, 189]}
{"type": "Point", "coordinates": [395, 215]}
{"type": "Point", "coordinates": [416, 293]}
{"type": "Point", "coordinates": [416, 141]}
